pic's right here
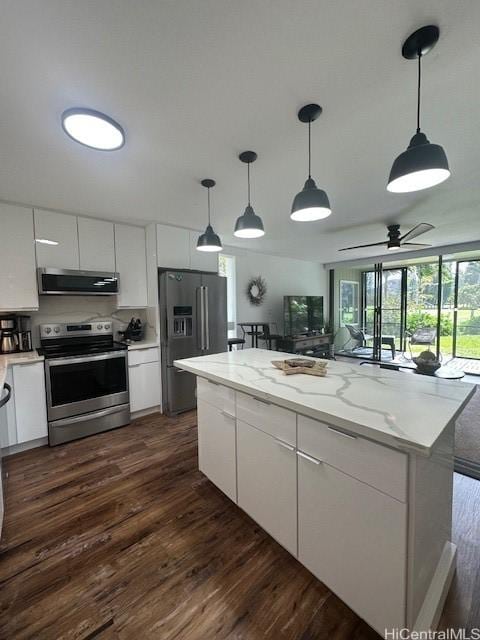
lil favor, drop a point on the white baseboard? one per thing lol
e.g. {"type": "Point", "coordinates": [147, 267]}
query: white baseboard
{"type": "Point", "coordinates": [24, 446]}
{"type": "Point", "coordinates": [432, 607]}
{"type": "Point", "coordinates": [146, 412]}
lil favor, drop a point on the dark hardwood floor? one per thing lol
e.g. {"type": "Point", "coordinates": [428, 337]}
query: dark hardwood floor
{"type": "Point", "coordinates": [120, 536]}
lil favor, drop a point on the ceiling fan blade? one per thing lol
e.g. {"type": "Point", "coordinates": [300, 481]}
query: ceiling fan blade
{"type": "Point", "coordinates": [423, 227]}
{"type": "Point", "coordinates": [415, 244]}
{"type": "Point", "coordinates": [361, 246]}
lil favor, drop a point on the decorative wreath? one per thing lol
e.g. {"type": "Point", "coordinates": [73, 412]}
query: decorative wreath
{"type": "Point", "coordinates": [256, 290]}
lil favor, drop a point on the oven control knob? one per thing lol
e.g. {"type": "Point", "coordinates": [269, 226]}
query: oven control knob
{"type": "Point", "coordinates": [48, 330]}
{"type": "Point", "coordinates": [57, 329]}
{"type": "Point", "coordinates": [107, 327]}
{"type": "Point", "coordinates": [99, 326]}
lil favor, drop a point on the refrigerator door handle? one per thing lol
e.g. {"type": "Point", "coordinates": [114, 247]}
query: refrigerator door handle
{"type": "Point", "coordinates": [202, 291]}
{"type": "Point", "coordinates": [200, 318]}
{"type": "Point", "coordinates": [206, 325]}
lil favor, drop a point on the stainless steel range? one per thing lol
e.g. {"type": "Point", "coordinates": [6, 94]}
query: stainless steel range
{"type": "Point", "coordinates": [86, 376]}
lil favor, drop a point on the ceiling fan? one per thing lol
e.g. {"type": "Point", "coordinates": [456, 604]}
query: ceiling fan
{"type": "Point", "coordinates": [396, 241]}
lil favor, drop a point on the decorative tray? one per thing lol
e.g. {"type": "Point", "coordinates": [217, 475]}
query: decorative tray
{"type": "Point", "coordinates": [302, 365]}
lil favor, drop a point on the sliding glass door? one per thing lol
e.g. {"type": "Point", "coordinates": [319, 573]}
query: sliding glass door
{"type": "Point", "coordinates": [466, 343]}
{"type": "Point", "coordinates": [393, 304]}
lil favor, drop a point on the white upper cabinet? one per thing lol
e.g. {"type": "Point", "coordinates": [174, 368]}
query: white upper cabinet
{"type": "Point", "coordinates": [201, 260]}
{"type": "Point", "coordinates": [18, 286]}
{"type": "Point", "coordinates": [96, 244]}
{"type": "Point", "coordinates": [177, 249]}
{"type": "Point", "coordinates": [60, 228]}
{"type": "Point", "coordinates": [173, 247]}
{"type": "Point", "coordinates": [131, 264]}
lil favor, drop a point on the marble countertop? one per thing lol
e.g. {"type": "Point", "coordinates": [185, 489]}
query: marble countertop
{"type": "Point", "coordinates": [395, 408]}
{"type": "Point", "coordinates": [25, 357]}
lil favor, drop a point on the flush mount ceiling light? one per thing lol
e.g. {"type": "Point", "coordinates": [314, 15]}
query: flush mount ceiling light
{"type": "Point", "coordinates": [311, 203]}
{"type": "Point", "coordinates": [93, 129]}
{"type": "Point", "coordinates": [209, 241]}
{"type": "Point", "coordinates": [248, 225]}
{"type": "Point", "coordinates": [423, 164]}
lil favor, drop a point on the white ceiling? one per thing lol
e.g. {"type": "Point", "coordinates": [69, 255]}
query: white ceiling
{"type": "Point", "coordinates": [196, 82]}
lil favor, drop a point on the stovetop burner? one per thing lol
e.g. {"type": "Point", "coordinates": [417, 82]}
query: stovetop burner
{"type": "Point", "coordinates": [68, 340]}
{"type": "Point", "coordinates": [64, 351]}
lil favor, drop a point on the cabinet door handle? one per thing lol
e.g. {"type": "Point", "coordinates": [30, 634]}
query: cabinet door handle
{"type": "Point", "coordinates": [134, 366]}
{"type": "Point", "coordinates": [342, 433]}
{"type": "Point", "coordinates": [309, 458]}
{"type": "Point", "coordinates": [217, 384]}
{"type": "Point", "coordinates": [261, 400]}
{"type": "Point", "coordinates": [227, 415]}
{"type": "Point", "coordinates": [285, 445]}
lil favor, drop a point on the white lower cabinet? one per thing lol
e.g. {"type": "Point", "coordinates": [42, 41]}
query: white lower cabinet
{"type": "Point", "coordinates": [25, 414]}
{"type": "Point", "coordinates": [348, 531]}
{"type": "Point", "coordinates": [217, 448]}
{"type": "Point", "coordinates": [144, 385]}
{"type": "Point", "coordinates": [267, 483]}
{"type": "Point", "coordinates": [353, 538]}
{"type": "Point", "coordinates": [30, 403]}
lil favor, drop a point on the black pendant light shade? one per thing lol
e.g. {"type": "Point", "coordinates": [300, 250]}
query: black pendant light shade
{"type": "Point", "coordinates": [423, 164]}
{"type": "Point", "coordinates": [311, 203]}
{"type": "Point", "coordinates": [249, 225]}
{"type": "Point", "coordinates": [209, 241]}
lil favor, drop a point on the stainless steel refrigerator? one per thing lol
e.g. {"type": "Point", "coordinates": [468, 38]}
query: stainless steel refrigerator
{"type": "Point", "coordinates": [193, 322]}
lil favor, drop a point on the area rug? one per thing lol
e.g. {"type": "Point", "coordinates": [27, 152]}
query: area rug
{"type": "Point", "coordinates": [467, 432]}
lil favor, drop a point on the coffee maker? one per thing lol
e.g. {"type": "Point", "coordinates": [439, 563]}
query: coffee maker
{"type": "Point", "coordinates": [15, 334]}
{"type": "Point", "coordinates": [24, 333]}
{"type": "Point", "coordinates": [8, 335]}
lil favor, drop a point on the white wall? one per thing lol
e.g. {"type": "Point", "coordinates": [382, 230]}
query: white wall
{"type": "Point", "coordinates": [284, 276]}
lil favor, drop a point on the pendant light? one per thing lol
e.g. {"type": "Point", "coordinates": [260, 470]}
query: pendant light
{"type": "Point", "coordinates": [209, 241]}
{"type": "Point", "coordinates": [423, 164]}
{"type": "Point", "coordinates": [311, 203]}
{"type": "Point", "coordinates": [249, 225]}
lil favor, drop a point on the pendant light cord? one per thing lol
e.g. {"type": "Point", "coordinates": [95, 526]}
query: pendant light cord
{"type": "Point", "coordinates": [418, 89]}
{"type": "Point", "coordinates": [309, 150]}
{"type": "Point", "coordinates": [248, 181]}
{"type": "Point", "coordinates": [208, 196]}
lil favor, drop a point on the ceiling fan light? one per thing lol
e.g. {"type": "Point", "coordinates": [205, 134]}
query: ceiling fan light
{"type": "Point", "coordinates": [393, 247]}
{"type": "Point", "coordinates": [209, 241]}
{"type": "Point", "coordinates": [249, 225]}
{"type": "Point", "coordinates": [310, 204]}
{"type": "Point", "coordinates": [421, 166]}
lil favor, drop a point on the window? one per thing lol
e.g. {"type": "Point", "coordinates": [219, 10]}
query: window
{"type": "Point", "coordinates": [226, 268]}
{"type": "Point", "coordinates": [348, 302]}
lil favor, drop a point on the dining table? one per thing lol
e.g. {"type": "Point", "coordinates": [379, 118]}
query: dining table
{"type": "Point", "coordinates": [253, 329]}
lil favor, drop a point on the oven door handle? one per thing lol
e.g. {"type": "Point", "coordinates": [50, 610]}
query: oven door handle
{"type": "Point", "coordinates": [88, 416]}
{"type": "Point", "coordinates": [56, 362]}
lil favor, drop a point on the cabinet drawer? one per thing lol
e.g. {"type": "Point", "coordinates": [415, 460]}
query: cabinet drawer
{"type": "Point", "coordinates": [217, 395]}
{"type": "Point", "coordinates": [278, 422]}
{"type": "Point", "coordinates": [141, 356]}
{"type": "Point", "coordinates": [217, 447]}
{"type": "Point", "coordinates": [144, 384]}
{"type": "Point", "coordinates": [378, 466]}
{"type": "Point", "coordinates": [353, 539]}
{"type": "Point", "coordinates": [267, 483]}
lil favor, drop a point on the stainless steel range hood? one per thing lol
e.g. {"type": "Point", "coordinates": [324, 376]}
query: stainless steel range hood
{"type": "Point", "coordinates": [73, 282]}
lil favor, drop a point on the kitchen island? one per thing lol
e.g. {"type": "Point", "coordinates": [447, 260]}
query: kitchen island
{"type": "Point", "coordinates": [352, 473]}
